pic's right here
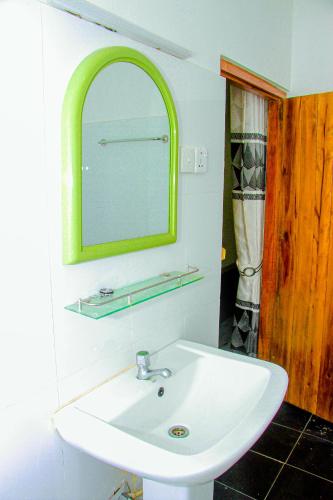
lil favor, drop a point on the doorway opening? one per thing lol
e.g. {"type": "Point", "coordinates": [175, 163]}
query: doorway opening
{"type": "Point", "coordinates": [229, 270]}
{"type": "Point", "coordinates": [250, 106]}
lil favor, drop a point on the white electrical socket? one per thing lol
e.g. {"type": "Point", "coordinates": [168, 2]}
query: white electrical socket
{"type": "Point", "coordinates": [201, 160]}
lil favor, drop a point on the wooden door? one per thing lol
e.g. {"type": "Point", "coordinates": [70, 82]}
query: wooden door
{"type": "Point", "coordinates": [296, 328]}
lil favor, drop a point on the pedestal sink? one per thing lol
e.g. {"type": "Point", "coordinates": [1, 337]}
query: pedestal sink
{"type": "Point", "coordinates": [182, 432]}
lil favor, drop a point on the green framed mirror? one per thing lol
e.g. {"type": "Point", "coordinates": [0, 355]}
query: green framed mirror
{"type": "Point", "coordinates": [120, 157]}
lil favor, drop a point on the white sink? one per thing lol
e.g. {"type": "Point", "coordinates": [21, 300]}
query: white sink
{"type": "Point", "coordinates": [225, 401]}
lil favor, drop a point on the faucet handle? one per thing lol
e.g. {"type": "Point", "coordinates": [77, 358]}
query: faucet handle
{"type": "Point", "coordinates": [143, 358]}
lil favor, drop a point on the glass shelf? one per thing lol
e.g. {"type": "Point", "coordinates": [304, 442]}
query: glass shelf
{"type": "Point", "coordinates": [98, 306]}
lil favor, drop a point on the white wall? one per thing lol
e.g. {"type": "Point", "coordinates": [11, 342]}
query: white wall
{"type": "Point", "coordinates": [30, 460]}
{"type": "Point", "coordinates": [50, 355]}
{"type": "Point", "coordinates": [256, 33]}
{"type": "Point", "coordinates": [312, 68]}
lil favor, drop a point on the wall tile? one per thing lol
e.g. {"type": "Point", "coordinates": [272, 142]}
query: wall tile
{"type": "Point", "coordinates": [30, 456]}
{"type": "Point", "coordinates": [26, 340]}
{"type": "Point", "coordinates": [201, 324]}
{"type": "Point", "coordinates": [87, 478]}
{"type": "Point", "coordinates": [203, 229]}
{"type": "Point", "coordinates": [201, 116]}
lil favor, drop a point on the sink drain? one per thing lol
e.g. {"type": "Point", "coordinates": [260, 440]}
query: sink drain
{"type": "Point", "coordinates": [178, 431]}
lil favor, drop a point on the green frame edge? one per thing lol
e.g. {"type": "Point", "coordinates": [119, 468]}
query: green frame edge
{"type": "Point", "coordinates": [73, 250]}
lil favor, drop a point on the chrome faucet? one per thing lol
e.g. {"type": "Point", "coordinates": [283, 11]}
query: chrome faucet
{"type": "Point", "coordinates": [143, 363]}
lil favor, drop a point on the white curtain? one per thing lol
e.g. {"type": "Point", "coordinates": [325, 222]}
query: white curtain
{"type": "Point", "coordinates": [248, 156]}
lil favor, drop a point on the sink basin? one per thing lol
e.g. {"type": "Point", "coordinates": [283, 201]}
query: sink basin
{"type": "Point", "coordinates": [223, 400]}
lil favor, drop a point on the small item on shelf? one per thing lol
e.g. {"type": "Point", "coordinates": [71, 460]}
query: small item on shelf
{"type": "Point", "coordinates": [106, 292]}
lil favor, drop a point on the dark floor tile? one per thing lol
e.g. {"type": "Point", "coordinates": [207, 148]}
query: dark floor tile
{"type": "Point", "coordinates": [222, 492]}
{"type": "Point", "coordinates": [293, 484]}
{"type": "Point", "coordinates": [291, 416]}
{"type": "Point", "coordinates": [253, 475]}
{"type": "Point", "coordinates": [320, 427]}
{"type": "Point", "coordinates": [313, 455]}
{"type": "Point", "coordinates": [276, 442]}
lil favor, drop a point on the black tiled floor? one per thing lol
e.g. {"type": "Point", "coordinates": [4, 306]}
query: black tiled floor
{"type": "Point", "coordinates": [320, 428]}
{"type": "Point", "coordinates": [314, 455]}
{"type": "Point", "coordinates": [277, 442]}
{"type": "Point", "coordinates": [222, 492]}
{"type": "Point", "coordinates": [272, 469]}
{"type": "Point", "coordinates": [291, 416]}
{"type": "Point", "coordinates": [253, 475]}
{"type": "Point", "coordinates": [294, 484]}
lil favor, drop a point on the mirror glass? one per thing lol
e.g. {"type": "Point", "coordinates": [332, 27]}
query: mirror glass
{"type": "Point", "coordinates": [125, 157]}
{"type": "Point", "coordinates": [120, 157]}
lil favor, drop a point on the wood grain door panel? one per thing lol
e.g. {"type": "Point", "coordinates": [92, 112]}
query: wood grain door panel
{"type": "Point", "coordinates": [296, 327]}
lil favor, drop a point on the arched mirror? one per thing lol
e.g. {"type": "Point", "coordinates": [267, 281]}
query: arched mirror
{"type": "Point", "coordinates": [120, 150]}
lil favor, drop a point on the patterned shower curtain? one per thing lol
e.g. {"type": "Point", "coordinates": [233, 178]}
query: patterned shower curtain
{"type": "Point", "coordinates": [248, 156]}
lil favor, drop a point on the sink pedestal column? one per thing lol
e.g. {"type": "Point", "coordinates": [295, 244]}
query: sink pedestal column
{"type": "Point", "coordinates": [152, 490]}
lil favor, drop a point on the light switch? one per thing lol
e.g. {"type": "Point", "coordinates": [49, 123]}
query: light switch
{"type": "Point", "coordinates": [194, 160]}
{"type": "Point", "coordinates": [187, 160]}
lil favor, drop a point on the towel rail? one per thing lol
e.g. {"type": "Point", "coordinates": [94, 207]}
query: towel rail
{"type": "Point", "coordinates": [163, 138]}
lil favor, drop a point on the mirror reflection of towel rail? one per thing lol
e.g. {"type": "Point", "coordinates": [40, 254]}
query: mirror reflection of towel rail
{"type": "Point", "coordinates": [163, 138]}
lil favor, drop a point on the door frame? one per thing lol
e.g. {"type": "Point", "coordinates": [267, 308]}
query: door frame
{"type": "Point", "coordinates": [276, 96]}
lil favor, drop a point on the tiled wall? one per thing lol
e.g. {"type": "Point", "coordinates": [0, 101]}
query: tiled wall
{"type": "Point", "coordinates": [49, 355]}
